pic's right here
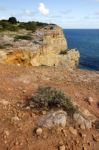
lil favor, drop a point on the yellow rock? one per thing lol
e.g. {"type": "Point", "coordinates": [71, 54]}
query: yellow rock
{"type": "Point", "coordinates": [48, 47]}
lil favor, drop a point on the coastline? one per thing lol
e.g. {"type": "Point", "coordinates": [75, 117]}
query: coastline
{"type": "Point", "coordinates": [87, 43]}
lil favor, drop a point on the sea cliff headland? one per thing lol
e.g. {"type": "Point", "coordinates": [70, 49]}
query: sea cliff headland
{"type": "Point", "coordinates": [46, 102]}
{"type": "Point", "coordinates": [46, 45]}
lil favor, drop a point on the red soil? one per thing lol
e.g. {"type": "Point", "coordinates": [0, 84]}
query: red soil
{"type": "Point", "coordinates": [17, 83]}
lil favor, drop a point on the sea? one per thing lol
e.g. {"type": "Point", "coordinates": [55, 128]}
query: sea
{"type": "Point", "coordinates": [87, 42]}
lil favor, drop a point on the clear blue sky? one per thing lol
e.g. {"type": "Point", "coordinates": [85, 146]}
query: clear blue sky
{"type": "Point", "coordinates": [66, 13]}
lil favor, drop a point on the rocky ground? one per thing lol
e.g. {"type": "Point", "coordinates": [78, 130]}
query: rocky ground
{"type": "Point", "coordinates": [18, 123]}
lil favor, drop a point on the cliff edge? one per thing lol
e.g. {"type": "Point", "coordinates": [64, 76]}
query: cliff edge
{"type": "Point", "coordinates": [46, 46]}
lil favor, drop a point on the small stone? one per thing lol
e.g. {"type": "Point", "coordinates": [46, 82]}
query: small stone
{"type": "Point", "coordinates": [82, 126]}
{"type": "Point", "coordinates": [94, 138]}
{"type": "Point", "coordinates": [27, 108]}
{"type": "Point", "coordinates": [18, 65]}
{"type": "Point", "coordinates": [24, 91]}
{"type": "Point", "coordinates": [76, 142]}
{"type": "Point", "coordinates": [18, 105]}
{"type": "Point", "coordinates": [73, 131]}
{"type": "Point", "coordinates": [39, 131]}
{"type": "Point", "coordinates": [43, 112]}
{"type": "Point", "coordinates": [14, 119]}
{"type": "Point", "coordinates": [62, 147]}
{"type": "Point", "coordinates": [4, 102]}
{"type": "Point", "coordinates": [16, 142]}
{"type": "Point", "coordinates": [21, 143]}
{"type": "Point", "coordinates": [89, 100]}
{"type": "Point", "coordinates": [82, 135]}
{"type": "Point", "coordinates": [88, 143]}
{"type": "Point", "coordinates": [84, 148]}
{"type": "Point", "coordinates": [97, 104]}
{"type": "Point", "coordinates": [61, 143]}
{"type": "Point", "coordinates": [44, 136]}
{"type": "Point", "coordinates": [82, 121]}
{"type": "Point", "coordinates": [64, 132]}
{"type": "Point", "coordinates": [5, 141]}
{"type": "Point", "coordinates": [97, 124]}
{"type": "Point", "coordinates": [6, 133]}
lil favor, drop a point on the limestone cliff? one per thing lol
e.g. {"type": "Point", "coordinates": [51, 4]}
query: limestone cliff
{"type": "Point", "coordinates": [46, 46]}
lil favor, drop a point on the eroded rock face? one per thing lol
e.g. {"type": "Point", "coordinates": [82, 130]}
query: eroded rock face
{"type": "Point", "coordinates": [69, 60]}
{"type": "Point", "coordinates": [47, 46]}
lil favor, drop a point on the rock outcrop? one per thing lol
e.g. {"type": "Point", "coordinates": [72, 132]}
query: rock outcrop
{"type": "Point", "coordinates": [46, 46]}
{"type": "Point", "coordinates": [53, 119]}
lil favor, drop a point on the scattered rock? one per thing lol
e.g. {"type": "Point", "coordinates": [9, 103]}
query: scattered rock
{"type": "Point", "coordinates": [62, 147]}
{"type": "Point", "coordinates": [53, 118]}
{"type": "Point", "coordinates": [15, 119]}
{"type": "Point", "coordinates": [89, 100]}
{"type": "Point", "coordinates": [6, 133]}
{"type": "Point", "coordinates": [76, 141]}
{"type": "Point", "coordinates": [5, 141]}
{"type": "Point", "coordinates": [16, 143]}
{"type": "Point", "coordinates": [97, 124]}
{"type": "Point", "coordinates": [24, 91]}
{"type": "Point", "coordinates": [89, 143]}
{"type": "Point", "coordinates": [45, 136]}
{"type": "Point", "coordinates": [39, 131]}
{"type": "Point", "coordinates": [94, 138]}
{"type": "Point", "coordinates": [64, 132]}
{"type": "Point", "coordinates": [73, 131]}
{"type": "Point", "coordinates": [82, 135]}
{"type": "Point", "coordinates": [84, 148]}
{"type": "Point", "coordinates": [6, 136]}
{"type": "Point", "coordinates": [86, 114]}
{"type": "Point", "coordinates": [27, 108]}
{"type": "Point", "coordinates": [61, 143]}
{"type": "Point", "coordinates": [4, 102]}
{"type": "Point", "coordinates": [44, 112]}
{"type": "Point", "coordinates": [97, 104]}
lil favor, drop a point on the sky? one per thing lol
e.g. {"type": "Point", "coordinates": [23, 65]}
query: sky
{"type": "Point", "coordinates": [82, 14]}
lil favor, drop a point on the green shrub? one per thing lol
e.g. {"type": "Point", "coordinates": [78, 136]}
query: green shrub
{"type": "Point", "coordinates": [12, 20]}
{"type": "Point", "coordinates": [51, 97]}
{"type": "Point", "coordinates": [13, 25]}
{"type": "Point", "coordinates": [32, 26]}
{"type": "Point", "coordinates": [7, 26]}
{"type": "Point", "coordinates": [22, 37]}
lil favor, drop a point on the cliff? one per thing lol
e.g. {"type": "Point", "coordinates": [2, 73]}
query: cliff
{"type": "Point", "coordinates": [46, 46]}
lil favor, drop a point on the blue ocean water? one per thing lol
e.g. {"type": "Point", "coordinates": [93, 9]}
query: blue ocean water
{"type": "Point", "coordinates": [87, 42]}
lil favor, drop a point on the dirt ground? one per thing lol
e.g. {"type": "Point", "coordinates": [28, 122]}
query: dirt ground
{"type": "Point", "coordinates": [17, 124]}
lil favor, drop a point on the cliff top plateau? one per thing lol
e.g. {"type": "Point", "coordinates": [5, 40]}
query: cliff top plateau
{"type": "Point", "coordinates": [18, 123]}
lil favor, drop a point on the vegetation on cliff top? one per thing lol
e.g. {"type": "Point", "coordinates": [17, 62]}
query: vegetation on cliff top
{"type": "Point", "coordinates": [13, 25]}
